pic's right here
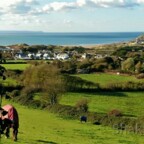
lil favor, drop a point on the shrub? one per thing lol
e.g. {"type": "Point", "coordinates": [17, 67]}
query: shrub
{"type": "Point", "coordinates": [14, 93]}
{"type": "Point", "coordinates": [82, 105]}
{"type": "Point", "coordinates": [115, 113]}
{"type": "Point", "coordinates": [140, 76]}
{"type": "Point", "coordinates": [26, 95]}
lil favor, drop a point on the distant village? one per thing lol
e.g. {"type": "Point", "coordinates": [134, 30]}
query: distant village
{"type": "Point", "coordinates": [24, 51]}
{"type": "Point", "coordinates": [43, 54]}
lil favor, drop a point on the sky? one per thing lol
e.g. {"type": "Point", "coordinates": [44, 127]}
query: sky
{"type": "Point", "coordinates": [72, 15]}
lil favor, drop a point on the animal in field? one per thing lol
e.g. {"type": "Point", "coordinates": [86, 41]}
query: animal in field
{"type": "Point", "coordinates": [83, 119]}
{"type": "Point", "coordinates": [120, 127]}
{"type": "Point", "coordinates": [4, 124]}
{"type": "Point", "coordinates": [10, 120]}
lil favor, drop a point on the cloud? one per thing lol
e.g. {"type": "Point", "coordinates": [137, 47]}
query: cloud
{"type": "Point", "coordinates": [35, 7]}
{"type": "Point", "coordinates": [17, 6]}
{"type": "Point", "coordinates": [114, 3]}
{"type": "Point", "coordinates": [68, 22]}
{"type": "Point", "coordinates": [55, 6]}
{"type": "Point", "coordinates": [140, 1]}
{"type": "Point", "coordinates": [62, 6]}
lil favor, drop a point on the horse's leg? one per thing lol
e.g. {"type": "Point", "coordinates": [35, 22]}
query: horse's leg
{"type": "Point", "coordinates": [7, 132]}
{"type": "Point", "coordinates": [15, 133]}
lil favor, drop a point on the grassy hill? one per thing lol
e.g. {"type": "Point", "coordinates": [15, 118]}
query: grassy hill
{"type": "Point", "coordinates": [106, 78]}
{"type": "Point", "coordinates": [42, 127]}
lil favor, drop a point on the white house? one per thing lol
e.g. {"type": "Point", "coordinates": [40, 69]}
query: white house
{"type": "Point", "coordinates": [62, 56]}
{"type": "Point", "coordinates": [85, 55]}
{"type": "Point", "coordinates": [99, 56]}
{"type": "Point", "coordinates": [31, 55]}
{"type": "Point", "coordinates": [38, 56]}
{"type": "Point", "coordinates": [22, 56]}
{"type": "Point", "coordinates": [46, 56]}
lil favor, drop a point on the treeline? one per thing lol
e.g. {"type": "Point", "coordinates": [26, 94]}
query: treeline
{"type": "Point", "coordinates": [50, 82]}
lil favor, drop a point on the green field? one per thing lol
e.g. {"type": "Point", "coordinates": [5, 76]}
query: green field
{"type": "Point", "coordinates": [130, 103]}
{"type": "Point", "coordinates": [15, 66]}
{"type": "Point", "coordinates": [42, 127]}
{"type": "Point", "coordinates": [105, 78]}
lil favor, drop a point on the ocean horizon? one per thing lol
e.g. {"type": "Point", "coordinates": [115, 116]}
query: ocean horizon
{"type": "Point", "coordinates": [67, 38]}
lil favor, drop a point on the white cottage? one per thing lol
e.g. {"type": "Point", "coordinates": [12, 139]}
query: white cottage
{"type": "Point", "coordinates": [62, 56]}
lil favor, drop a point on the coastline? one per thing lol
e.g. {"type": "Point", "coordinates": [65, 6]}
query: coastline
{"type": "Point", "coordinates": [87, 40]}
{"type": "Point", "coordinates": [97, 45]}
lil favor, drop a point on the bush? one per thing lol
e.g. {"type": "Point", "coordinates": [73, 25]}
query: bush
{"type": "Point", "coordinates": [14, 93]}
{"type": "Point", "coordinates": [26, 95]}
{"type": "Point", "coordinates": [140, 76]}
{"type": "Point", "coordinates": [82, 105]}
{"type": "Point", "coordinates": [115, 113]}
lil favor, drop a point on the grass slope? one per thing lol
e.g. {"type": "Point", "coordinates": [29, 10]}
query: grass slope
{"type": "Point", "coordinates": [42, 127]}
{"type": "Point", "coordinates": [130, 103]}
{"type": "Point", "coordinates": [15, 66]}
{"type": "Point", "coordinates": [105, 78]}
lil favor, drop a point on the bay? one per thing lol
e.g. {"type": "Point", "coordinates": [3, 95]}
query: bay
{"type": "Point", "coordinates": [43, 38]}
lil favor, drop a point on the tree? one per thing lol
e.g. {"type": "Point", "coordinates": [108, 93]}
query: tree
{"type": "Point", "coordinates": [2, 70]}
{"type": "Point", "coordinates": [45, 78]}
{"type": "Point", "coordinates": [138, 67]}
{"type": "Point", "coordinates": [128, 65]}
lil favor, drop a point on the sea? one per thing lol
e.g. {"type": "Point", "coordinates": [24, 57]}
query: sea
{"type": "Point", "coordinates": [79, 39]}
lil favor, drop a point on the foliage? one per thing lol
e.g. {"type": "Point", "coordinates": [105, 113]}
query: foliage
{"type": "Point", "coordinates": [130, 103]}
{"type": "Point", "coordinates": [26, 95]}
{"type": "Point", "coordinates": [46, 78]}
{"type": "Point", "coordinates": [139, 67]}
{"type": "Point", "coordinates": [82, 105]}
{"type": "Point", "coordinates": [115, 113]}
{"type": "Point", "coordinates": [128, 65]}
{"type": "Point", "coordinates": [73, 83]}
{"type": "Point", "coordinates": [140, 76]}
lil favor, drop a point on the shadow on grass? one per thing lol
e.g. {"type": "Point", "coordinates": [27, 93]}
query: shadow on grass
{"type": "Point", "coordinates": [104, 93]}
{"type": "Point", "coordinates": [112, 94]}
{"type": "Point", "coordinates": [47, 142]}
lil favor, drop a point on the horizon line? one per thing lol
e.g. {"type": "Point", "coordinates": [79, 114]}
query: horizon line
{"type": "Point", "coordinates": [71, 31]}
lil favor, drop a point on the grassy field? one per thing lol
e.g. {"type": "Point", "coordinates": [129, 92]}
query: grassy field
{"type": "Point", "coordinates": [130, 103]}
{"type": "Point", "coordinates": [15, 66]}
{"type": "Point", "coordinates": [105, 78]}
{"type": "Point", "coordinates": [42, 127]}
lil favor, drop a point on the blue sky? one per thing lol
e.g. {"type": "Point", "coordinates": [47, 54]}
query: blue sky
{"type": "Point", "coordinates": [72, 15]}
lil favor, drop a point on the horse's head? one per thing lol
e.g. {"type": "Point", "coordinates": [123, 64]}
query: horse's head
{"type": "Point", "coordinates": [4, 123]}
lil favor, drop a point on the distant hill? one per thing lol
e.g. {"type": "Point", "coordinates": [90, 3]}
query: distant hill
{"type": "Point", "coordinates": [140, 39]}
{"type": "Point", "coordinates": [14, 31]}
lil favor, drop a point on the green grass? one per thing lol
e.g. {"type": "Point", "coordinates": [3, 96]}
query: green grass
{"type": "Point", "coordinates": [130, 103]}
{"type": "Point", "coordinates": [15, 66]}
{"type": "Point", "coordinates": [8, 81]}
{"type": "Point", "coordinates": [104, 78]}
{"type": "Point", "coordinates": [42, 127]}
